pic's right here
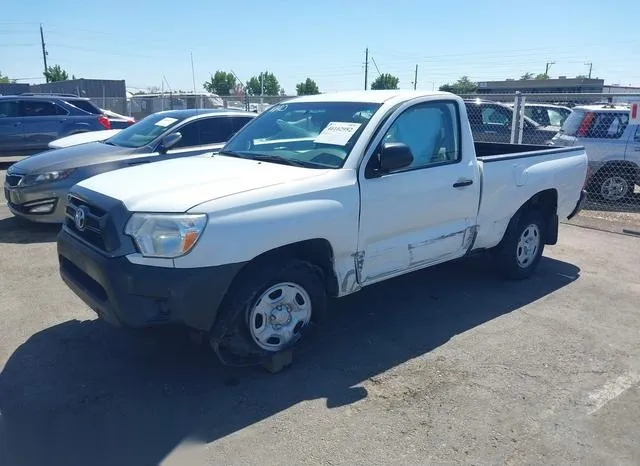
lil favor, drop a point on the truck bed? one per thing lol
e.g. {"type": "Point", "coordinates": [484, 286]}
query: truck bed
{"type": "Point", "coordinates": [527, 170]}
{"type": "Point", "coordinates": [496, 151]}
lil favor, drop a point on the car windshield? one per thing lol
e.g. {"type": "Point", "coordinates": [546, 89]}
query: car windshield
{"type": "Point", "coordinates": [143, 132]}
{"type": "Point", "coordinates": [310, 134]}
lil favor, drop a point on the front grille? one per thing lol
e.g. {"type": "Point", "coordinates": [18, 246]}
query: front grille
{"type": "Point", "coordinates": [13, 180]}
{"type": "Point", "coordinates": [95, 230]}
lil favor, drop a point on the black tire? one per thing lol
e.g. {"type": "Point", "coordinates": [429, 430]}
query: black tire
{"type": "Point", "coordinates": [603, 176]}
{"type": "Point", "coordinates": [231, 337]}
{"type": "Point", "coordinates": [507, 252]}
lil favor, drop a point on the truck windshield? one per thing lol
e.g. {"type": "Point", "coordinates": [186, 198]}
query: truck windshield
{"type": "Point", "coordinates": [143, 132]}
{"type": "Point", "coordinates": [311, 134]}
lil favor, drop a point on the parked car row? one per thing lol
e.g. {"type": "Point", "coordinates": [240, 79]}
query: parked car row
{"type": "Point", "coordinates": [36, 187]}
{"type": "Point", "coordinates": [612, 144]}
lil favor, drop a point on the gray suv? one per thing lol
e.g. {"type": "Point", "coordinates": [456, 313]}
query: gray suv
{"type": "Point", "coordinates": [29, 122]}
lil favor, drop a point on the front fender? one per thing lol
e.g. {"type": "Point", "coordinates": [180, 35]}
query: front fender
{"type": "Point", "coordinates": [238, 236]}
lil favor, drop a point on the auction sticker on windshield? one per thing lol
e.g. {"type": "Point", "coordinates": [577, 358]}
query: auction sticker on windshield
{"type": "Point", "coordinates": [166, 122]}
{"type": "Point", "coordinates": [337, 133]}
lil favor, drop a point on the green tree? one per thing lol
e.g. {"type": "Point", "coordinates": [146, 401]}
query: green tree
{"type": "Point", "coordinates": [542, 76]}
{"type": "Point", "coordinates": [462, 86]}
{"type": "Point", "coordinates": [221, 83]}
{"type": "Point", "coordinates": [526, 76]}
{"type": "Point", "coordinates": [55, 73]}
{"type": "Point", "coordinates": [307, 87]}
{"type": "Point", "coordinates": [4, 78]}
{"type": "Point", "coordinates": [385, 81]}
{"type": "Point", "coordinates": [264, 81]}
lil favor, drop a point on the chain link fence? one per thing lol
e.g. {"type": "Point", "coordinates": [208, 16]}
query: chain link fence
{"type": "Point", "coordinates": [599, 122]}
{"type": "Point", "coordinates": [143, 105]}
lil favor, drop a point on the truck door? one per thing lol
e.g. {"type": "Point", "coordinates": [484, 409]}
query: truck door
{"type": "Point", "coordinates": [42, 122]}
{"type": "Point", "coordinates": [424, 213]}
{"type": "Point", "coordinates": [11, 128]}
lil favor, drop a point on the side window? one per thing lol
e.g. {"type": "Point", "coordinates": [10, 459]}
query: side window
{"type": "Point", "coordinates": [555, 117]}
{"type": "Point", "coordinates": [237, 123]}
{"type": "Point", "coordinates": [493, 115]}
{"type": "Point", "coordinates": [609, 125]}
{"type": "Point", "coordinates": [430, 130]}
{"type": "Point", "coordinates": [190, 135]}
{"type": "Point", "coordinates": [35, 108]}
{"type": "Point", "coordinates": [9, 109]}
{"type": "Point", "coordinates": [215, 130]}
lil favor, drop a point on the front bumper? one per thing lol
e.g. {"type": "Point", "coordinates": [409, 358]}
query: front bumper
{"type": "Point", "coordinates": [580, 203]}
{"type": "Point", "coordinates": [134, 295]}
{"type": "Point", "coordinates": [38, 204]}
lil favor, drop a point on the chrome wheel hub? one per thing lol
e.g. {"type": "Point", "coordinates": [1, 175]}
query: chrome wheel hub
{"type": "Point", "coordinates": [614, 188]}
{"type": "Point", "coordinates": [528, 246]}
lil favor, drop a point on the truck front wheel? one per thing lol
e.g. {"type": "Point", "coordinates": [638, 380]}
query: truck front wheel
{"type": "Point", "coordinates": [267, 311]}
{"type": "Point", "coordinates": [521, 248]}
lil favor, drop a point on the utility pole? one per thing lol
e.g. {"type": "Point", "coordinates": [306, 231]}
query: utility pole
{"type": "Point", "coordinates": [366, 67]}
{"type": "Point", "coordinates": [44, 54]}
{"type": "Point", "coordinates": [415, 79]}
{"type": "Point", "coordinates": [590, 68]}
{"type": "Point", "coordinates": [193, 75]}
{"type": "Point", "coordinates": [546, 69]}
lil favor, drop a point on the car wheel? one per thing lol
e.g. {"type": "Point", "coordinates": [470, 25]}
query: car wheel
{"type": "Point", "coordinates": [521, 249]}
{"type": "Point", "coordinates": [614, 186]}
{"type": "Point", "coordinates": [267, 311]}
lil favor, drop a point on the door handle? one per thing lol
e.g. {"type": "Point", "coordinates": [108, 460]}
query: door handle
{"type": "Point", "coordinates": [17, 123]}
{"type": "Point", "coordinates": [462, 183]}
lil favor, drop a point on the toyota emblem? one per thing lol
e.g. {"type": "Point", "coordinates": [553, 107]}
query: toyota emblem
{"type": "Point", "coordinates": [80, 218]}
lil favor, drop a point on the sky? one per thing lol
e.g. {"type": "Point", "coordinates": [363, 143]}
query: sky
{"type": "Point", "coordinates": [143, 41]}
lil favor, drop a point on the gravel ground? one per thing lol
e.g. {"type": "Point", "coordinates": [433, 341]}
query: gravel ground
{"type": "Point", "coordinates": [448, 365]}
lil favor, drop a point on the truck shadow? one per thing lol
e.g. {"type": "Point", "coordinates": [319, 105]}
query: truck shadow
{"type": "Point", "coordinates": [82, 392]}
{"type": "Point", "coordinates": [18, 231]}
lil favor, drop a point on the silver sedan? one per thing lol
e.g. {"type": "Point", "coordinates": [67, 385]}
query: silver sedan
{"type": "Point", "coordinates": [36, 187]}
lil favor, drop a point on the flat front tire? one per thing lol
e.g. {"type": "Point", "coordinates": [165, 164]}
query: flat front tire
{"type": "Point", "coordinates": [521, 248]}
{"type": "Point", "coordinates": [268, 310]}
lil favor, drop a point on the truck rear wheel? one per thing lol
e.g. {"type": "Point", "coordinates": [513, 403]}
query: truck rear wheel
{"type": "Point", "coordinates": [521, 249]}
{"type": "Point", "coordinates": [267, 311]}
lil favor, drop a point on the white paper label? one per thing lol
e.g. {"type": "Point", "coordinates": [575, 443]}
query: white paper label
{"type": "Point", "coordinates": [166, 122]}
{"type": "Point", "coordinates": [337, 133]}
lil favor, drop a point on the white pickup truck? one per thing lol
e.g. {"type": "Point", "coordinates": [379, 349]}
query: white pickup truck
{"type": "Point", "coordinates": [317, 197]}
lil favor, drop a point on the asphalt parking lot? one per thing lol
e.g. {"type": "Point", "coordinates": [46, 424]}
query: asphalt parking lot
{"type": "Point", "coordinates": [448, 365]}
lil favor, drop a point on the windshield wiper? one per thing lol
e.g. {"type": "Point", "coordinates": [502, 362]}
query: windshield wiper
{"type": "Point", "coordinates": [109, 143]}
{"type": "Point", "coordinates": [282, 160]}
{"type": "Point", "coordinates": [268, 158]}
{"type": "Point", "coordinates": [232, 153]}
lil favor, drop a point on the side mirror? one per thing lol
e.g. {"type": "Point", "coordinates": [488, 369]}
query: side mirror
{"type": "Point", "coordinates": [169, 141]}
{"type": "Point", "coordinates": [394, 156]}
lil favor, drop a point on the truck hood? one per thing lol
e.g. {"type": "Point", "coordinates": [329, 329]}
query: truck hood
{"type": "Point", "coordinates": [71, 157]}
{"type": "Point", "coordinates": [177, 185]}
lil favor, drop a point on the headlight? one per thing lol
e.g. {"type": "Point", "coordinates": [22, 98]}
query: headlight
{"type": "Point", "coordinates": [47, 177]}
{"type": "Point", "coordinates": [165, 235]}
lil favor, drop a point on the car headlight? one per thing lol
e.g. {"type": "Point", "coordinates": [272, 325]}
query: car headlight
{"type": "Point", "coordinates": [165, 235]}
{"type": "Point", "coordinates": [47, 177]}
